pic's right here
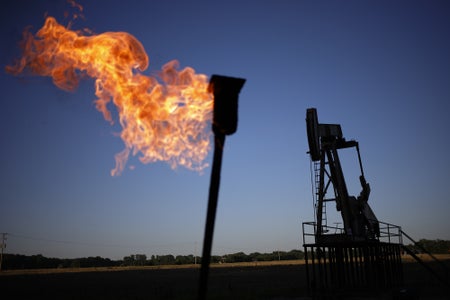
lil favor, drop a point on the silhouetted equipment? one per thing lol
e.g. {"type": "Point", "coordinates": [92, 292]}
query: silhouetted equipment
{"type": "Point", "coordinates": [226, 92]}
{"type": "Point", "coordinates": [364, 253]}
{"type": "Point", "coordinates": [324, 142]}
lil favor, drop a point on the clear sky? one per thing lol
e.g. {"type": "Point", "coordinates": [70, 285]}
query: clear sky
{"type": "Point", "coordinates": [381, 69]}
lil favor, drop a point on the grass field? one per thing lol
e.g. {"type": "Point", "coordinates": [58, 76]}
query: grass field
{"type": "Point", "coordinates": [256, 280]}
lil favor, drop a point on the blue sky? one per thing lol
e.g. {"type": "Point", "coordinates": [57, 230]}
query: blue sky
{"type": "Point", "coordinates": [381, 69]}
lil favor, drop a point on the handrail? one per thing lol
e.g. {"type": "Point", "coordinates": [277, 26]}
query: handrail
{"type": "Point", "coordinates": [422, 248]}
{"type": "Point", "coordinates": [440, 263]}
{"type": "Point", "coordinates": [388, 232]}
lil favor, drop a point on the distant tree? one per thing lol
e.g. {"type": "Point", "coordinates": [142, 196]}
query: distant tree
{"type": "Point", "coordinates": [17, 261]}
{"type": "Point", "coordinates": [190, 259]}
{"type": "Point", "coordinates": [128, 260]}
{"type": "Point", "coordinates": [152, 261]}
{"type": "Point", "coordinates": [184, 259]}
{"type": "Point", "coordinates": [75, 263]}
{"type": "Point", "coordinates": [140, 259]}
{"type": "Point", "coordinates": [135, 260]}
{"type": "Point", "coordinates": [295, 254]}
{"type": "Point", "coordinates": [167, 259]}
{"type": "Point", "coordinates": [254, 256]}
{"type": "Point", "coordinates": [432, 246]}
{"type": "Point", "coordinates": [236, 257]}
{"type": "Point", "coordinates": [214, 259]}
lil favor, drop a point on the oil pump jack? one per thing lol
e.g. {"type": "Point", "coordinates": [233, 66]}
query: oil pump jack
{"type": "Point", "coordinates": [360, 223]}
{"type": "Point", "coordinates": [364, 253]}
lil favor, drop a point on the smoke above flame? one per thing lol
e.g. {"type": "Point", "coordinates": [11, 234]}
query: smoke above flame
{"type": "Point", "coordinates": [163, 117]}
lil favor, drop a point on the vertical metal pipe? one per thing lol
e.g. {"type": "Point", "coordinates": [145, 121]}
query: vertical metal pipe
{"type": "Point", "coordinates": [313, 268]}
{"type": "Point", "coordinates": [308, 275]}
{"type": "Point", "coordinates": [332, 265]}
{"type": "Point", "coordinates": [320, 267]}
{"type": "Point", "coordinates": [219, 141]}
{"type": "Point", "coordinates": [225, 116]}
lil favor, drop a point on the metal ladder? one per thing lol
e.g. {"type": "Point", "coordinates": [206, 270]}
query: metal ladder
{"type": "Point", "coordinates": [316, 195]}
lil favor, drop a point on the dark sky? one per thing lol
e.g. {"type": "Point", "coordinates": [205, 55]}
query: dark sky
{"type": "Point", "coordinates": [381, 69]}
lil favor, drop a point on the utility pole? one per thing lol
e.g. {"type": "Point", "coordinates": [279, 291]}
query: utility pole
{"type": "Point", "coordinates": [3, 246]}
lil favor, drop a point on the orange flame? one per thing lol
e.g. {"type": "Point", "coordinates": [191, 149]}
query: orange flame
{"type": "Point", "coordinates": [164, 118]}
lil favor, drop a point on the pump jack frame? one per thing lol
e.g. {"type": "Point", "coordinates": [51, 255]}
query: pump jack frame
{"type": "Point", "coordinates": [365, 254]}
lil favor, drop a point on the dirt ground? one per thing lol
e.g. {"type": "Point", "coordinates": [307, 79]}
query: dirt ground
{"type": "Point", "coordinates": [250, 281]}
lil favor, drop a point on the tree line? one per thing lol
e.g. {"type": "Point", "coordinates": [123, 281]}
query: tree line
{"type": "Point", "coordinates": [432, 246]}
{"type": "Point", "coordinates": [155, 260]}
{"type": "Point", "coordinates": [18, 261]}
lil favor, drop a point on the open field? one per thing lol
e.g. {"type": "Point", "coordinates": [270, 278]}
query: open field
{"type": "Point", "coordinates": [256, 280]}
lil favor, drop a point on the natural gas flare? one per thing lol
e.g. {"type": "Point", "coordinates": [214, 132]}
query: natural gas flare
{"type": "Point", "coordinates": [163, 117]}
